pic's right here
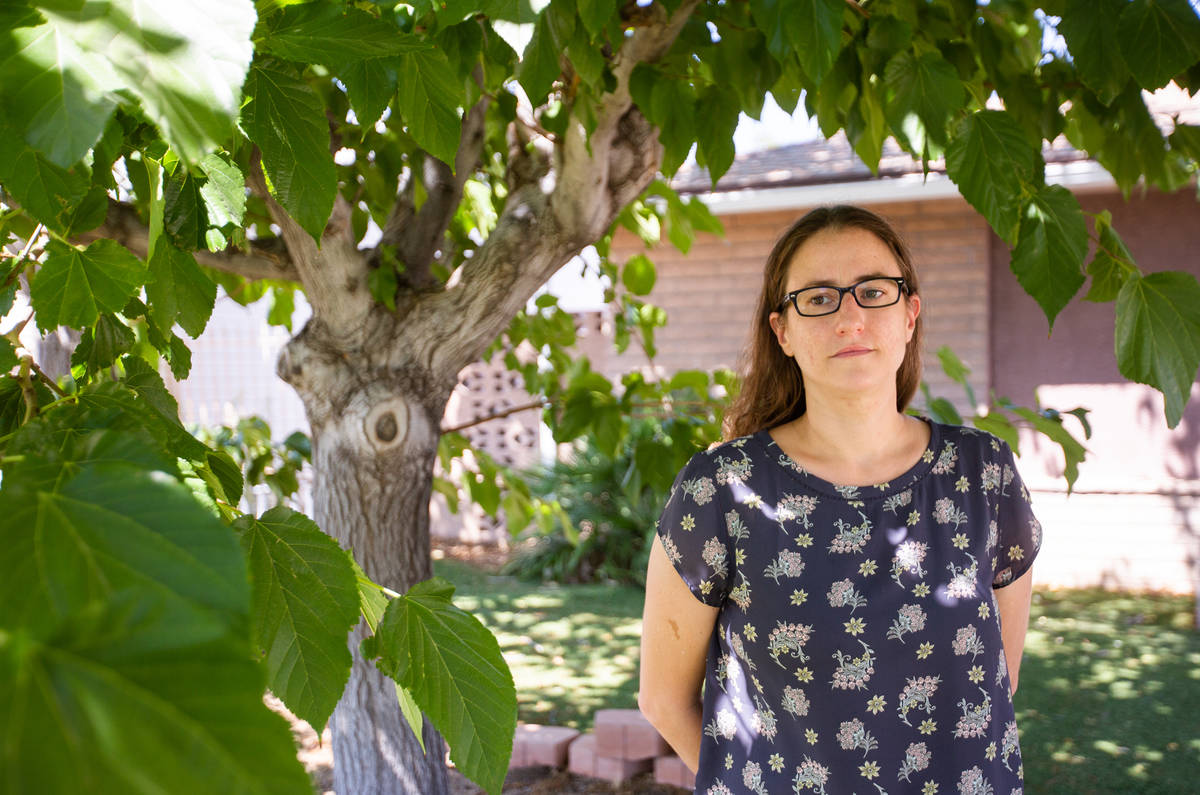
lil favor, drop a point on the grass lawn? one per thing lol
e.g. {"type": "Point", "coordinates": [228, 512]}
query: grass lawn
{"type": "Point", "coordinates": [1110, 683]}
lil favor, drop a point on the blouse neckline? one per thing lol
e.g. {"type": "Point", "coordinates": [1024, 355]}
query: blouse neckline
{"type": "Point", "coordinates": [858, 492]}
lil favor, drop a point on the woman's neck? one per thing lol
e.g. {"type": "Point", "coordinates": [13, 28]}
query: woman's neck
{"type": "Point", "coordinates": [856, 440]}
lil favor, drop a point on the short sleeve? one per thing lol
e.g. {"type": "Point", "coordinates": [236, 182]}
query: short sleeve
{"type": "Point", "coordinates": [693, 533]}
{"type": "Point", "coordinates": [1017, 531]}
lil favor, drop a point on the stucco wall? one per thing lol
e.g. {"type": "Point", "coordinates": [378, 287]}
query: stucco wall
{"type": "Point", "coordinates": [1134, 518]}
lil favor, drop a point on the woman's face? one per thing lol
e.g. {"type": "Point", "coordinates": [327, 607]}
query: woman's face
{"type": "Point", "coordinates": [853, 349]}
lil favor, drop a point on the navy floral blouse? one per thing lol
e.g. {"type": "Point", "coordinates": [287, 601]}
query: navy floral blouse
{"type": "Point", "coordinates": [857, 648]}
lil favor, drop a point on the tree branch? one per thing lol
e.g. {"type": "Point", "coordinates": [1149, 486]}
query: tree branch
{"type": "Point", "coordinates": [335, 274]}
{"type": "Point", "coordinates": [267, 259]}
{"type": "Point", "coordinates": [496, 415]}
{"type": "Point", "coordinates": [417, 236]}
{"type": "Point", "coordinates": [551, 216]}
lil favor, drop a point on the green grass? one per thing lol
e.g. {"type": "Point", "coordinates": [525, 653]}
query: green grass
{"type": "Point", "coordinates": [1110, 683]}
{"type": "Point", "coordinates": [1109, 698]}
{"type": "Point", "coordinates": [572, 649]}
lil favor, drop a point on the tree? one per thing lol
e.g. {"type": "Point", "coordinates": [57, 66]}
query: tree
{"type": "Point", "coordinates": [150, 150]}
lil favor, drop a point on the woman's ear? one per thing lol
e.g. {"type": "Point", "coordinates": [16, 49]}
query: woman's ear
{"type": "Point", "coordinates": [779, 326]}
{"type": "Point", "coordinates": [913, 307]}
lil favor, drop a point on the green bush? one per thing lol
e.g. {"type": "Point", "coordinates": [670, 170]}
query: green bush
{"type": "Point", "coordinates": [598, 511]}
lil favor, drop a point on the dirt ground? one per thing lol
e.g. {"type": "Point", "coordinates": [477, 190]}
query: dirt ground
{"type": "Point", "coordinates": [317, 755]}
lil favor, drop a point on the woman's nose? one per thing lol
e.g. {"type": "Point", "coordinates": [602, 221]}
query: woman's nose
{"type": "Point", "coordinates": [849, 316]}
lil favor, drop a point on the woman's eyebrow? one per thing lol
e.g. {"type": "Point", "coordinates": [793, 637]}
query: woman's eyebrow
{"type": "Point", "coordinates": [865, 276]}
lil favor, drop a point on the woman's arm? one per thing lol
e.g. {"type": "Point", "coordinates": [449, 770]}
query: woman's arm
{"type": "Point", "coordinates": [676, 629]}
{"type": "Point", "coordinates": [1013, 603]}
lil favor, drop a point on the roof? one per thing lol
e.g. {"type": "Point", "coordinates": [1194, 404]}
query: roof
{"type": "Point", "coordinates": [824, 162]}
{"type": "Point", "coordinates": [833, 161]}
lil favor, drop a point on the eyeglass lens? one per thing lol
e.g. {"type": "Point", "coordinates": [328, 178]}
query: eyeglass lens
{"type": "Point", "coordinates": [870, 294]}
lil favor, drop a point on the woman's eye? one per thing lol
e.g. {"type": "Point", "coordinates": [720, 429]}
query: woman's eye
{"type": "Point", "coordinates": [818, 300]}
{"type": "Point", "coordinates": [872, 294]}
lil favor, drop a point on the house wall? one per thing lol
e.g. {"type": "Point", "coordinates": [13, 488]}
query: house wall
{"type": "Point", "coordinates": [1134, 517]}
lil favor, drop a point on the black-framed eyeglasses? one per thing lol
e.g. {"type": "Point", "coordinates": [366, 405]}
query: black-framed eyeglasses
{"type": "Point", "coordinates": [873, 293]}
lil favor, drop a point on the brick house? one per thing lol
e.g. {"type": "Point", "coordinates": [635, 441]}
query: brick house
{"type": "Point", "coordinates": [1133, 520]}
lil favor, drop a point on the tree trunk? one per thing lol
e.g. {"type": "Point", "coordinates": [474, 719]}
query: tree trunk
{"type": "Point", "coordinates": [375, 436]}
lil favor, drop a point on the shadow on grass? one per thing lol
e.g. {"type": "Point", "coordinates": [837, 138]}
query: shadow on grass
{"type": "Point", "coordinates": [1110, 683]}
{"type": "Point", "coordinates": [1109, 699]}
{"type": "Point", "coordinates": [572, 649]}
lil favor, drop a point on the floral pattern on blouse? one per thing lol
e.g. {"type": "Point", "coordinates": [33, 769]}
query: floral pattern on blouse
{"type": "Point", "coordinates": [857, 648]}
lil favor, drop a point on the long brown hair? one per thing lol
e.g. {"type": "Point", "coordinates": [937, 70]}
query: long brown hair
{"type": "Point", "coordinates": [772, 390]}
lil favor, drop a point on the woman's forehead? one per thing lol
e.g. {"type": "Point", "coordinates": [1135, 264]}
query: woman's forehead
{"type": "Point", "coordinates": [842, 255]}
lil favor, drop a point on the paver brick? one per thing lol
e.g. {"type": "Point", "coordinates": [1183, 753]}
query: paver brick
{"type": "Point", "coordinates": [672, 771]}
{"type": "Point", "coordinates": [626, 734]}
{"type": "Point", "coordinates": [584, 761]}
{"type": "Point", "coordinates": [535, 745]}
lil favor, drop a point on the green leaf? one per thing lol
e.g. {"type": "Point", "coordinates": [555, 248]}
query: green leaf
{"type": "Point", "coordinates": [1112, 265]}
{"type": "Point", "coordinates": [88, 214]}
{"type": "Point", "coordinates": [333, 34]}
{"type": "Point", "coordinates": [370, 85]}
{"type": "Point", "coordinates": [124, 655]}
{"type": "Point", "coordinates": [997, 424]}
{"type": "Point", "coordinates": [715, 136]}
{"type": "Point", "coordinates": [148, 385]}
{"type": "Point", "coordinates": [305, 602]}
{"type": "Point", "coordinates": [184, 64]}
{"type": "Point", "coordinates": [1186, 140]}
{"type": "Point", "coordinates": [428, 98]}
{"type": "Point", "coordinates": [595, 14]}
{"type": "Point", "coordinates": [382, 283]}
{"type": "Point", "coordinates": [1051, 245]}
{"type": "Point", "coordinates": [1090, 28]}
{"type": "Point", "coordinates": [8, 355]}
{"type": "Point", "coordinates": [1158, 335]}
{"type": "Point", "coordinates": [638, 275]}
{"type": "Point", "coordinates": [953, 366]}
{"type": "Point", "coordinates": [814, 28]}
{"type": "Point", "coordinates": [224, 191]}
{"type": "Point", "coordinates": [585, 57]}
{"type": "Point", "coordinates": [55, 91]}
{"type": "Point", "coordinates": [179, 291]}
{"type": "Point", "coordinates": [1073, 451]}
{"type": "Point", "coordinates": [102, 344]}
{"type": "Point", "coordinates": [45, 191]}
{"type": "Point", "coordinates": [286, 118]}
{"type": "Point", "coordinates": [412, 714]}
{"type": "Point", "coordinates": [925, 86]}
{"type": "Point", "coordinates": [372, 601]}
{"type": "Point", "coordinates": [455, 672]}
{"type": "Point", "coordinates": [943, 410]}
{"type": "Point", "coordinates": [991, 161]}
{"type": "Point", "coordinates": [74, 286]}
{"type": "Point", "coordinates": [679, 225]}
{"type": "Point", "coordinates": [1159, 39]}
{"type": "Point", "coordinates": [184, 215]}
{"type": "Point", "coordinates": [539, 66]}
{"type": "Point", "coordinates": [283, 305]}
{"type": "Point", "coordinates": [866, 126]}
{"type": "Point", "coordinates": [227, 474]}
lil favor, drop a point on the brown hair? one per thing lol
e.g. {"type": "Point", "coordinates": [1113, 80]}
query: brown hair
{"type": "Point", "coordinates": [772, 391]}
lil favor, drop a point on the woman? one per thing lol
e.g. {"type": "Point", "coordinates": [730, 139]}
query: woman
{"type": "Point", "coordinates": [850, 584]}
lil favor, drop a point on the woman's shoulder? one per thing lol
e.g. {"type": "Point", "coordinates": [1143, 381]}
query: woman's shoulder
{"type": "Point", "coordinates": [719, 454]}
{"type": "Point", "coordinates": [972, 442]}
